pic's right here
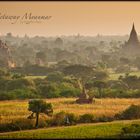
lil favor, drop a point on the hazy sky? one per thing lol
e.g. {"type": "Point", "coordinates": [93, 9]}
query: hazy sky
{"type": "Point", "coordinates": [68, 18]}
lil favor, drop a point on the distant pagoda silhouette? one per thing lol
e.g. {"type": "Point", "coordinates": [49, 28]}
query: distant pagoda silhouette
{"type": "Point", "coordinates": [133, 39]}
{"type": "Point", "coordinates": [131, 48]}
{"type": "Point", "coordinates": [5, 56]}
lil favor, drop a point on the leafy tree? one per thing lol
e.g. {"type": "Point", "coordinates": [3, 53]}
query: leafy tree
{"type": "Point", "coordinates": [124, 60]}
{"type": "Point", "coordinates": [62, 64]}
{"type": "Point", "coordinates": [101, 65]}
{"type": "Point", "coordinates": [117, 84]}
{"type": "Point", "coordinates": [58, 41]}
{"type": "Point", "coordinates": [40, 106]}
{"type": "Point", "coordinates": [137, 62]}
{"type": "Point", "coordinates": [105, 58]}
{"type": "Point", "coordinates": [41, 55]}
{"type": "Point", "coordinates": [101, 75]}
{"type": "Point", "coordinates": [37, 70]}
{"type": "Point", "coordinates": [55, 77]}
{"type": "Point", "coordinates": [19, 84]}
{"type": "Point", "coordinates": [17, 76]}
{"type": "Point", "coordinates": [132, 81]}
{"type": "Point", "coordinates": [27, 63]}
{"type": "Point", "coordinates": [81, 73]}
{"type": "Point", "coordinates": [50, 90]}
{"type": "Point", "coordinates": [4, 74]}
{"type": "Point", "coordinates": [100, 85]}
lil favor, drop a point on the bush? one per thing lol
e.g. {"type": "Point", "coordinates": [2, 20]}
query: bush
{"type": "Point", "coordinates": [58, 119]}
{"type": "Point", "coordinates": [62, 118]}
{"type": "Point", "coordinates": [87, 118]}
{"type": "Point", "coordinates": [71, 119]}
{"type": "Point", "coordinates": [7, 96]}
{"type": "Point", "coordinates": [8, 127]}
{"type": "Point", "coordinates": [132, 112]}
{"type": "Point", "coordinates": [132, 130]}
{"type": "Point", "coordinates": [21, 124]}
{"type": "Point", "coordinates": [16, 125]}
{"type": "Point", "coordinates": [105, 119]}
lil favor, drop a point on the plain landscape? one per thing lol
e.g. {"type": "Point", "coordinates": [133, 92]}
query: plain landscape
{"type": "Point", "coordinates": [69, 86]}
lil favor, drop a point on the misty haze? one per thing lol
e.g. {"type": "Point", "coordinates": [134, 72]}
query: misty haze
{"type": "Point", "coordinates": [76, 72]}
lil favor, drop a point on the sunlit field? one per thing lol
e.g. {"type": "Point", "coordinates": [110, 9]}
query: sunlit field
{"type": "Point", "coordinates": [12, 110]}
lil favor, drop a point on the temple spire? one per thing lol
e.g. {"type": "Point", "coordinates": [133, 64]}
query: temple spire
{"type": "Point", "coordinates": [133, 28]}
{"type": "Point", "coordinates": [133, 36]}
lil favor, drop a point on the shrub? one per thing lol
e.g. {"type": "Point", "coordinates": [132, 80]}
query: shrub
{"type": "Point", "coordinates": [132, 130]}
{"type": "Point", "coordinates": [71, 119]}
{"type": "Point", "coordinates": [62, 118]}
{"type": "Point", "coordinates": [7, 127]}
{"type": "Point", "coordinates": [87, 118]}
{"type": "Point", "coordinates": [105, 119]}
{"type": "Point", "coordinates": [7, 96]}
{"type": "Point", "coordinates": [17, 76]}
{"type": "Point", "coordinates": [132, 112]}
{"type": "Point", "coordinates": [21, 124]}
{"type": "Point", "coordinates": [58, 119]}
{"type": "Point", "coordinates": [16, 125]}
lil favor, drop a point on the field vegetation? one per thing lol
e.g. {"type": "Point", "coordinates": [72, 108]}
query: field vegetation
{"type": "Point", "coordinates": [100, 130]}
{"type": "Point", "coordinates": [18, 109]}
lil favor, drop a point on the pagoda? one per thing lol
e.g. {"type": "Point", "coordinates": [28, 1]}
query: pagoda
{"type": "Point", "coordinates": [133, 39]}
{"type": "Point", "coordinates": [132, 46]}
{"type": "Point", "coordinates": [5, 56]}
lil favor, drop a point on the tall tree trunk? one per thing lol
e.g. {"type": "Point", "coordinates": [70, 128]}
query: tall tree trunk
{"type": "Point", "coordinates": [80, 84]}
{"type": "Point", "coordinates": [84, 90]}
{"type": "Point", "coordinates": [37, 119]}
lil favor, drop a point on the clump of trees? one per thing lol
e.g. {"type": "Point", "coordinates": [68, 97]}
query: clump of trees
{"type": "Point", "coordinates": [71, 81]}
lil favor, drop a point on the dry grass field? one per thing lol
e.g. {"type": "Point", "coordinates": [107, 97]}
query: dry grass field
{"type": "Point", "coordinates": [12, 110]}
